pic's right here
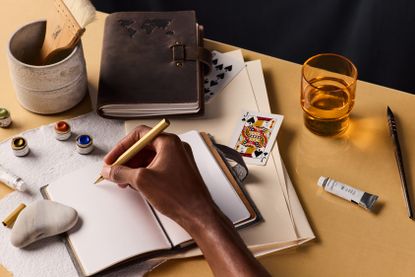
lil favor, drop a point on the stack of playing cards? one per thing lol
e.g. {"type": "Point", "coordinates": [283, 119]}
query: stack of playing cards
{"type": "Point", "coordinates": [255, 133]}
{"type": "Point", "coordinates": [225, 67]}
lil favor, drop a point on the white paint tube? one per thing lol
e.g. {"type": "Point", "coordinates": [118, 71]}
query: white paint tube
{"type": "Point", "coordinates": [363, 199]}
{"type": "Point", "coordinates": [11, 180]}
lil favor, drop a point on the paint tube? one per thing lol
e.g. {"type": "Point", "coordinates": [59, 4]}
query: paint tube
{"type": "Point", "coordinates": [363, 199]}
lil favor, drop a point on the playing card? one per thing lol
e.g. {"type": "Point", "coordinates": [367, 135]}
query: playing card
{"type": "Point", "coordinates": [254, 136]}
{"type": "Point", "coordinates": [225, 66]}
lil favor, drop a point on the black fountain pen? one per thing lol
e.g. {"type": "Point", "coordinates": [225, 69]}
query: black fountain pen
{"type": "Point", "coordinates": [399, 161]}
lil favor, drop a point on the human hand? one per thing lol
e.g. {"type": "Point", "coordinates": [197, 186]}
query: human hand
{"type": "Point", "coordinates": [165, 173]}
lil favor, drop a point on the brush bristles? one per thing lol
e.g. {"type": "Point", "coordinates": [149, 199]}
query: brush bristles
{"type": "Point", "coordinates": [82, 10]}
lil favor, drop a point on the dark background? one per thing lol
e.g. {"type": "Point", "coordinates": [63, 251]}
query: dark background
{"type": "Point", "coordinates": [377, 35]}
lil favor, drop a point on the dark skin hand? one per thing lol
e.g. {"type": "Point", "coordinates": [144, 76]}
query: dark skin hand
{"type": "Point", "coordinates": [166, 174]}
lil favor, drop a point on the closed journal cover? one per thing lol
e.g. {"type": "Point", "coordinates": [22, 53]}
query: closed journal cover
{"type": "Point", "coordinates": [151, 65]}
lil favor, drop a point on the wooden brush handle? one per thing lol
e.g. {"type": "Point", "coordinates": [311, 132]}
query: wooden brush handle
{"type": "Point", "coordinates": [62, 33]}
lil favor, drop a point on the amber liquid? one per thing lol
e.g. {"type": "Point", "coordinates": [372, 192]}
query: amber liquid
{"type": "Point", "coordinates": [327, 103]}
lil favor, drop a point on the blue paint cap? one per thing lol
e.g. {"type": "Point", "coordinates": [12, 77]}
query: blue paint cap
{"type": "Point", "coordinates": [84, 139]}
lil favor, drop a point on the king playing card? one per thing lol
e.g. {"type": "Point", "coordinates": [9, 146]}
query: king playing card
{"type": "Point", "coordinates": [254, 136]}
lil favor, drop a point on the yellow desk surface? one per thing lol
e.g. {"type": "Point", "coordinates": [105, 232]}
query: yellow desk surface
{"type": "Point", "coordinates": [350, 241]}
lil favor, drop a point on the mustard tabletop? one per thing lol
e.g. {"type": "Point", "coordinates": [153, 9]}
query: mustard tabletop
{"type": "Point", "coordinates": [350, 241]}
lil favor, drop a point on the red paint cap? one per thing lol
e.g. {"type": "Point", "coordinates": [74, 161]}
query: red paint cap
{"type": "Point", "coordinates": [62, 126]}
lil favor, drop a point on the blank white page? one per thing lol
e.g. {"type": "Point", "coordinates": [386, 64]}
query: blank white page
{"type": "Point", "coordinates": [217, 183]}
{"type": "Point", "coordinates": [116, 224]}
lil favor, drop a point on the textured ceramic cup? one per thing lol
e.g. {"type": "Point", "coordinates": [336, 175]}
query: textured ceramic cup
{"type": "Point", "coordinates": [46, 89]}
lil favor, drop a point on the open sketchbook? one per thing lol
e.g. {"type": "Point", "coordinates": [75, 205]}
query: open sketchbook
{"type": "Point", "coordinates": [117, 225]}
{"type": "Point", "coordinates": [285, 223]}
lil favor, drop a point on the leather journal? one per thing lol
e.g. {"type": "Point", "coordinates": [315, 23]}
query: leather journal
{"type": "Point", "coordinates": [152, 64]}
{"type": "Point", "coordinates": [120, 226]}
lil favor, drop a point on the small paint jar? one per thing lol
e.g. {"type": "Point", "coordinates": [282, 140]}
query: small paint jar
{"type": "Point", "coordinates": [5, 118]}
{"type": "Point", "coordinates": [62, 130]}
{"type": "Point", "coordinates": [20, 147]}
{"type": "Point", "coordinates": [84, 144]}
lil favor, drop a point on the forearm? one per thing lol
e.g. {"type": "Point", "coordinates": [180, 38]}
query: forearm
{"type": "Point", "coordinates": [223, 248]}
{"type": "Point", "coordinates": [167, 175]}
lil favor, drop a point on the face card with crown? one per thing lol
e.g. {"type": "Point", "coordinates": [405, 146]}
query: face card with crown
{"type": "Point", "coordinates": [254, 136]}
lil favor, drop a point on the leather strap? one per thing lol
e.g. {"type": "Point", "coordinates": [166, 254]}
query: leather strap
{"type": "Point", "coordinates": [181, 53]}
{"type": "Point", "coordinates": [205, 56]}
{"type": "Point", "coordinates": [233, 160]}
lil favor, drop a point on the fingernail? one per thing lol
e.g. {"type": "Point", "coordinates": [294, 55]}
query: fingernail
{"type": "Point", "coordinates": [105, 172]}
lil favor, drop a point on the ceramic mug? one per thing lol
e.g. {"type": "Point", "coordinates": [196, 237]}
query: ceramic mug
{"type": "Point", "coordinates": [45, 89]}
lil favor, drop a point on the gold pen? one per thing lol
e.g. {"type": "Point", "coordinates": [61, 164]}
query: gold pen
{"type": "Point", "coordinates": [11, 218]}
{"type": "Point", "coordinates": [139, 145]}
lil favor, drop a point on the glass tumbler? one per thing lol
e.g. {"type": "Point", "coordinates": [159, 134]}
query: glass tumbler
{"type": "Point", "coordinates": [328, 86]}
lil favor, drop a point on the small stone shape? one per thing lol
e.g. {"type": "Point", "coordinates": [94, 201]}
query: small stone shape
{"type": "Point", "coordinates": [5, 118]}
{"type": "Point", "coordinates": [42, 219]}
{"type": "Point", "coordinates": [20, 147]}
{"type": "Point", "coordinates": [84, 144]}
{"type": "Point", "coordinates": [62, 130]}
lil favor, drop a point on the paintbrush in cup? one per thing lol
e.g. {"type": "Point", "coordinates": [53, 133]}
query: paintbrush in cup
{"type": "Point", "coordinates": [64, 28]}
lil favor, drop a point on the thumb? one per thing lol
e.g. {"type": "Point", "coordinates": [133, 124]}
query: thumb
{"type": "Point", "coordinates": [118, 173]}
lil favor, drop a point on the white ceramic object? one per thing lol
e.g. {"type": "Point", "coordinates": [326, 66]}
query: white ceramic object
{"type": "Point", "coordinates": [42, 219]}
{"type": "Point", "coordinates": [50, 88]}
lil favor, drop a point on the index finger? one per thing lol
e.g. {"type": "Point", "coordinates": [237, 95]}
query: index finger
{"type": "Point", "coordinates": [126, 143]}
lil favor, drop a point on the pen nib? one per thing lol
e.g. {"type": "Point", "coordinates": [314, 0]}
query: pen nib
{"type": "Point", "coordinates": [100, 178]}
{"type": "Point", "coordinates": [388, 110]}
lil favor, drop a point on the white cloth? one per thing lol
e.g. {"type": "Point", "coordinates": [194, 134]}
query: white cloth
{"type": "Point", "coordinates": [48, 159]}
